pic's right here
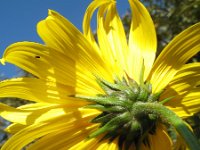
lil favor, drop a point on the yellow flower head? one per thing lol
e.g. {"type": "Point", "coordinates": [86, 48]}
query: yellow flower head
{"type": "Point", "coordinates": [100, 93]}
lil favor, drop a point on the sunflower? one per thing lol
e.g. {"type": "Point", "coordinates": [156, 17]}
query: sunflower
{"type": "Point", "coordinates": [103, 92]}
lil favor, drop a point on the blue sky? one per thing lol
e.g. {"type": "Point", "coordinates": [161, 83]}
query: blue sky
{"type": "Point", "coordinates": [19, 19]}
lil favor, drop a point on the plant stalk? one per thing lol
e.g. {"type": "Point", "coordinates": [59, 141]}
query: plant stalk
{"type": "Point", "coordinates": [170, 117]}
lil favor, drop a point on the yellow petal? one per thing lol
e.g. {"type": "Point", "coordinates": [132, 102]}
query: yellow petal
{"type": "Point", "coordinates": [47, 63]}
{"type": "Point", "coordinates": [187, 104]}
{"type": "Point", "coordinates": [78, 134]}
{"type": "Point", "coordinates": [97, 144]}
{"type": "Point", "coordinates": [77, 126]}
{"type": "Point", "coordinates": [13, 115]}
{"type": "Point", "coordinates": [174, 56]}
{"type": "Point", "coordinates": [113, 145]}
{"type": "Point", "coordinates": [142, 40]}
{"type": "Point", "coordinates": [15, 127]}
{"type": "Point", "coordinates": [159, 140]}
{"type": "Point", "coordinates": [185, 79]}
{"type": "Point", "coordinates": [104, 145]}
{"type": "Point", "coordinates": [29, 134]}
{"type": "Point", "coordinates": [38, 112]}
{"type": "Point", "coordinates": [41, 61]}
{"type": "Point", "coordinates": [86, 144]}
{"type": "Point", "coordinates": [88, 16]}
{"type": "Point", "coordinates": [36, 90]}
{"type": "Point", "coordinates": [112, 39]}
{"type": "Point", "coordinates": [107, 145]}
{"type": "Point", "coordinates": [60, 34]}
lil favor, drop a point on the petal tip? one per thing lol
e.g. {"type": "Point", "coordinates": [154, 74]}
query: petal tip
{"type": "Point", "coordinates": [3, 61]}
{"type": "Point", "coordinates": [52, 12]}
{"type": "Point", "coordinates": [49, 11]}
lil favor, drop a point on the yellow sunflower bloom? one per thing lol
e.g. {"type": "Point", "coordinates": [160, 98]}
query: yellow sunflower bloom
{"type": "Point", "coordinates": [104, 93]}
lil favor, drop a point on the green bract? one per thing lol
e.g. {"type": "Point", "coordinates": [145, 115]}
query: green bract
{"type": "Point", "coordinates": [119, 112]}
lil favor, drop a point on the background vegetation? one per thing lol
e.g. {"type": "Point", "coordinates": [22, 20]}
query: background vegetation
{"type": "Point", "coordinates": [170, 18]}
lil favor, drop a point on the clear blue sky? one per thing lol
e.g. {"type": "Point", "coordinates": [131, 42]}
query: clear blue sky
{"type": "Point", "coordinates": [19, 19]}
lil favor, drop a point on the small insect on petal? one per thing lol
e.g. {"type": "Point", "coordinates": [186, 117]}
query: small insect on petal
{"type": "Point", "coordinates": [37, 56]}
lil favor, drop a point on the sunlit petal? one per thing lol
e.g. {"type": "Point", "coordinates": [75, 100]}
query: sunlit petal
{"type": "Point", "coordinates": [112, 39]}
{"type": "Point", "coordinates": [174, 56]}
{"type": "Point", "coordinates": [37, 130]}
{"type": "Point", "coordinates": [88, 17]}
{"type": "Point", "coordinates": [142, 40]}
{"type": "Point", "coordinates": [60, 34]}
{"type": "Point", "coordinates": [36, 90]}
{"type": "Point", "coordinates": [186, 78]}
{"type": "Point", "coordinates": [187, 104]}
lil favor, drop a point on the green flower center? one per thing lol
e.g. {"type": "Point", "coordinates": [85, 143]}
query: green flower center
{"type": "Point", "coordinates": [120, 117]}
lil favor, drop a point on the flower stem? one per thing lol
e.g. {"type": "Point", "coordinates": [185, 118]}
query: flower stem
{"type": "Point", "coordinates": [169, 116]}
